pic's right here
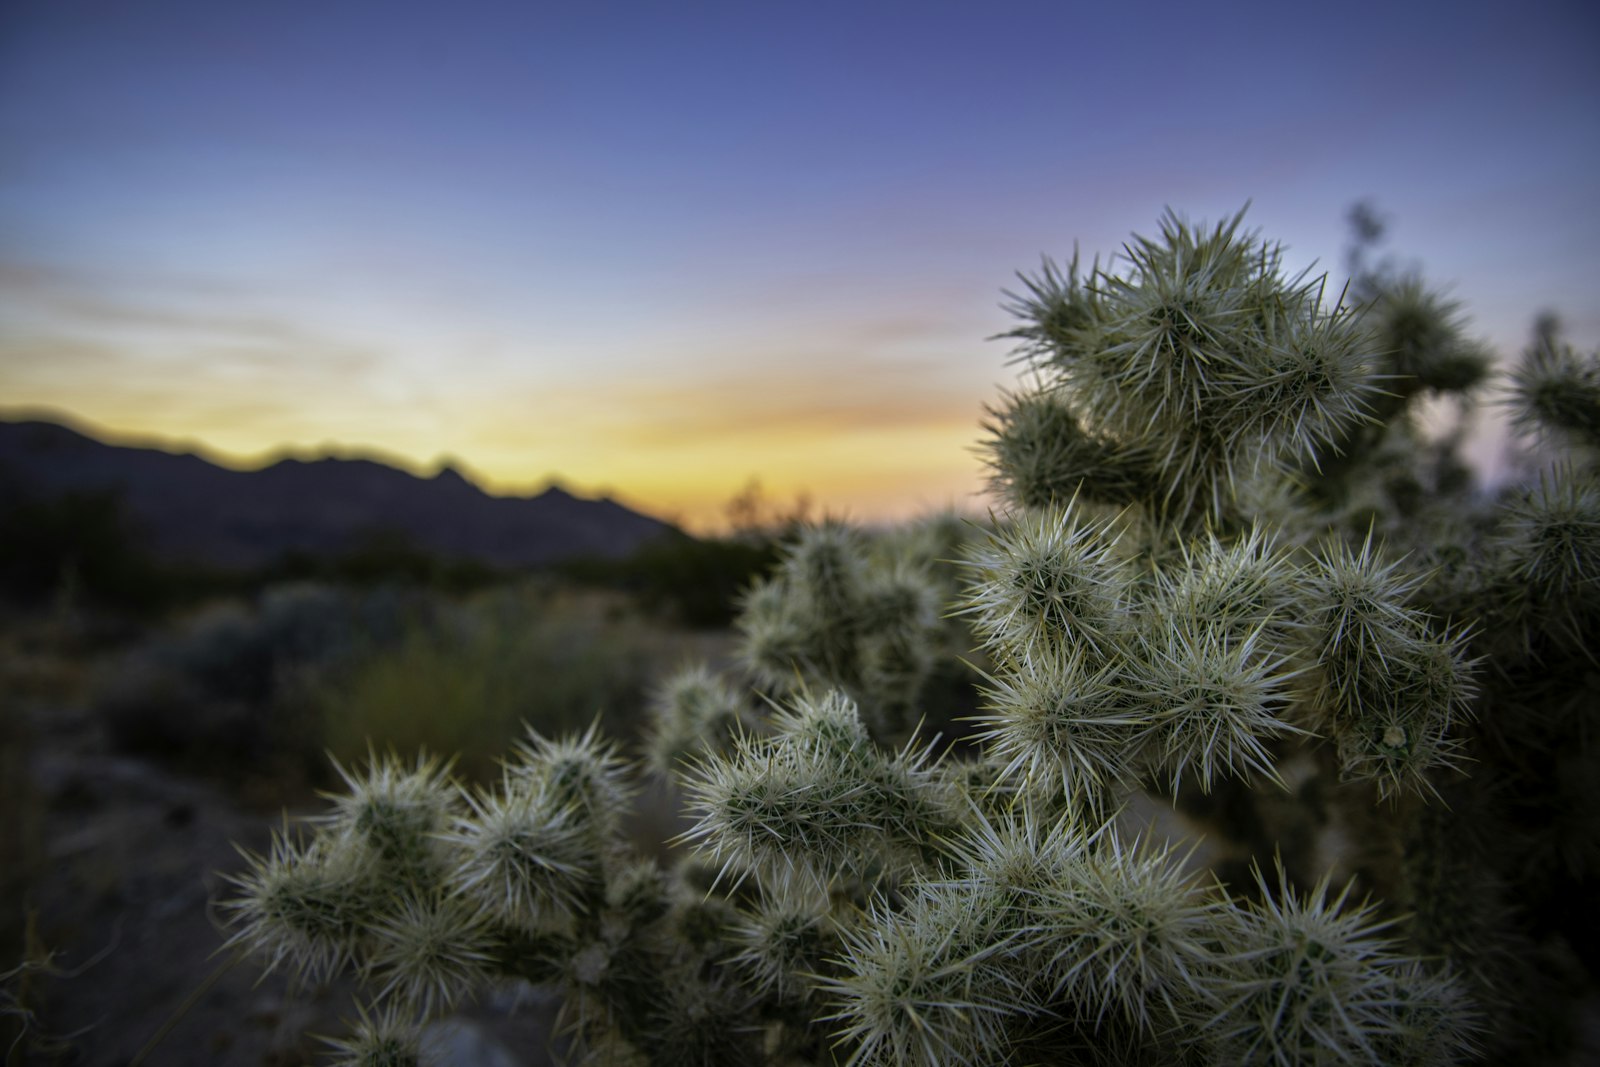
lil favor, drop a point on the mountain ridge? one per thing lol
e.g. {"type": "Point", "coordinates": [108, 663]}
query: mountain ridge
{"type": "Point", "coordinates": [188, 507]}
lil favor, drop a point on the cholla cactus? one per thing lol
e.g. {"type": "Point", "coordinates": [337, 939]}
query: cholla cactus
{"type": "Point", "coordinates": [837, 613]}
{"type": "Point", "coordinates": [821, 796]}
{"type": "Point", "coordinates": [693, 712]}
{"type": "Point", "coordinates": [381, 1039]}
{"type": "Point", "coordinates": [1219, 588]}
{"type": "Point", "coordinates": [1196, 367]}
{"type": "Point", "coordinates": [1311, 981]}
{"type": "Point", "coordinates": [1556, 392]}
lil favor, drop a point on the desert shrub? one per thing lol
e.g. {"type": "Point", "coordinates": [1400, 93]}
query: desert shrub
{"type": "Point", "coordinates": [553, 658]}
{"type": "Point", "coordinates": [230, 684]}
{"type": "Point", "coordinates": [383, 558]}
{"type": "Point", "coordinates": [1187, 593]}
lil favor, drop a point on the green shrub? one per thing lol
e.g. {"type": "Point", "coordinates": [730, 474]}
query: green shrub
{"type": "Point", "coordinates": [230, 684]}
{"type": "Point", "coordinates": [555, 660]}
{"type": "Point", "coordinates": [1186, 601]}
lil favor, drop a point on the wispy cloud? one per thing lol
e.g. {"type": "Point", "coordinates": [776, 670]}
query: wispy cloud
{"type": "Point", "coordinates": [65, 302]}
{"type": "Point", "coordinates": [142, 358]}
{"type": "Point", "coordinates": [812, 399]}
{"type": "Point", "coordinates": [875, 438]}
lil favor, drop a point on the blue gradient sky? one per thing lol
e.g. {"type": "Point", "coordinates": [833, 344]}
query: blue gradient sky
{"type": "Point", "coordinates": [660, 249]}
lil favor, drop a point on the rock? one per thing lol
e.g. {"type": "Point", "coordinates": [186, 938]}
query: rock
{"type": "Point", "coordinates": [464, 1043]}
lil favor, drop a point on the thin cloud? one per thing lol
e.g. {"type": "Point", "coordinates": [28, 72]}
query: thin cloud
{"type": "Point", "coordinates": [802, 397]}
{"type": "Point", "coordinates": [76, 302]}
{"type": "Point", "coordinates": [74, 356]}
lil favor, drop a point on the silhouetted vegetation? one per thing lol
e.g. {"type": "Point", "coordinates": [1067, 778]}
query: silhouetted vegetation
{"type": "Point", "coordinates": [385, 557]}
{"type": "Point", "coordinates": [85, 545]}
{"type": "Point", "coordinates": [699, 581]}
{"type": "Point", "coordinates": [694, 581]}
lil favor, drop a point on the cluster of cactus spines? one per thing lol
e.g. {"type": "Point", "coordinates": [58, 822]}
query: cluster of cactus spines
{"type": "Point", "coordinates": [1392, 685]}
{"type": "Point", "coordinates": [1314, 982]}
{"type": "Point", "coordinates": [1062, 727]}
{"type": "Point", "coordinates": [1195, 366]}
{"type": "Point", "coordinates": [693, 712]}
{"type": "Point", "coordinates": [1123, 947]}
{"type": "Point", "coordinates": [925, 983]}
{"type": "Point", "coordinates": [820, 795]}
{"type": "Point", "coordinates": [1132, 938]}
{"type": "Point", "coordinates": [382, 1038]}
{"type": "Point", "coordinates": [1037, 446]}
{"type": "Point", "coordinates": [1106, 672]}
{"type": "Point", "coordinates": [836, 613]}
{"type": "Point", "coordinates": [1547, 553]}
{"type": "Point", "coordinates": [1184, 598]}
{"type": "Point", "coordinates": [524, 856]}
{"type": "Point", "coordinates": [303, 905]}
{"type": "Point", "coordinates": [584, 771]}
{"type": "Point", "coordinates": [1048, 581]}
{"type": "Point", "coordinates": [1555, 392]}
{"type": "Point", "coordinates": [391, 814]}
{"type": "Point", "coordinates": [1420, 333]}
{"type": "Point", "coordinates": [789, 933]}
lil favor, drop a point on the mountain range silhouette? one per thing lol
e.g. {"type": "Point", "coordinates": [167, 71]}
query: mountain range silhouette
{"type": "Point", "coordinates": [184, 507]}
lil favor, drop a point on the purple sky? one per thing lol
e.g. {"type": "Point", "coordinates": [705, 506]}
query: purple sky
{"type": "Point", "coordinates": [662, 248]}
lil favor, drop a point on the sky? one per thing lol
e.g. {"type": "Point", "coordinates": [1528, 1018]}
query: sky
{"type": "Point", "coordinates": [658, 250]}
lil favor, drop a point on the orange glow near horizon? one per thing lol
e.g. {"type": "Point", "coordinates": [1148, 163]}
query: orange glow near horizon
{"type": "Point", "coordinates": [865, 472]}
{"type": "Point", "coordinates": [868, 414]}
{"type": "Point", "coordinates": [676, 431]}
